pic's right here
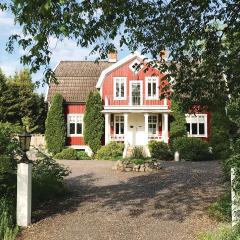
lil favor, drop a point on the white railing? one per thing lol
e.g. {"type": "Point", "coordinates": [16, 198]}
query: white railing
{"type": "Point", "coordinates": [134, 101]}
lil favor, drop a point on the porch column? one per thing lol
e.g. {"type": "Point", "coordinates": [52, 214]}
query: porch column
{"type": "Point", "coordinates": [146, 127]}
{"type": "Point", "coordinates": [107, 127]}
{"type": "Point", "coordinates": [125, 128]}
{"type": "Point", "coordinates": [165, 128]}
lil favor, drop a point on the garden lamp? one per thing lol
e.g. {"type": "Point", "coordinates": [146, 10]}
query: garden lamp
{"type": "Point", "coordinates": [24, 140]}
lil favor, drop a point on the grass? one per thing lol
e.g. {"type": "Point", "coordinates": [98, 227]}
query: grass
{"type": "Point", "coordinates": [221, 209]}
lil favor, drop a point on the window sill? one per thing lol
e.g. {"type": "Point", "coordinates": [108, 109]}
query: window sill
{"type": "Point", "coordinates": [195, 135]}
{"type": "Point", "coordinates": [75, 135]}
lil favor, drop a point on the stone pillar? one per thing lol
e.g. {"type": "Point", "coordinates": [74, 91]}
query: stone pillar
{"type": "Point", "coordinates": [107, 128]}
{"type": "Point", "coordinates": [146, 127]}
{"type": "Point", "coordinates": [24, 194]}
{"type": "Point", "coordinates": [235, 201]}
{"type": "Point", "coordinates": [165, 127]}
{"type": "Point", "coordinates": [125, 128]}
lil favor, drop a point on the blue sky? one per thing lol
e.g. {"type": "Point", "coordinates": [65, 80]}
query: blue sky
{"type": "Point", "coordinates": [65, 50]}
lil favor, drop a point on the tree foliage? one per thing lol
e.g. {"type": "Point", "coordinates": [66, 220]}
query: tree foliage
{"type": "Point", "coordinates": [178, 123]}
{"type": "Point", "coordinates": [19, 103]}
{"type": "Point", "coordinates": [93, 121]}
{"type": "Point", "coordinates": [55, 133]}
{"type": "Point", "coordinates": [202, 37]}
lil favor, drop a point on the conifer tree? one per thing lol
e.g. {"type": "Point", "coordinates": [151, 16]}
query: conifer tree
{"type": "Point", "coordinates": [55, 133]}
{"type": "Point", "coordinates": [93, 121]}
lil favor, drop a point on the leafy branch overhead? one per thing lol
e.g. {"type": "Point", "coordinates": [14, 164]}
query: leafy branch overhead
{"type": "Point", "coordinates": [202, 37]}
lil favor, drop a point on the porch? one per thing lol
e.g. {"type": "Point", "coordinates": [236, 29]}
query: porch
{"type": "Point", "coordinates": [136, 128]}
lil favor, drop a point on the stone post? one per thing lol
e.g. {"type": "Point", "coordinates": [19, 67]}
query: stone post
{"type": "Point", "coordinates": [24, 194]}
{"type": "Point", "coordinates": [235, 201]}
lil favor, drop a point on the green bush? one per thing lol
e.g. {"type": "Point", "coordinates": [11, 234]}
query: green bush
{"type": "Point", "coordinates": [82, 155]}
{"type": "Point", "coordinates": [159, 150]}
{"type": "Point", "coordinates": [137, 153]}
{"type": "Point", "coordinates": [55, 133]}
{"type": "Point", "coordinates": [221, 209]}
{"type": "Point", "coordinates": [47, 180]}
{"type": "Point", "coordinates": [93, 121]}
{"type": "Point", "coordinates": [224, 233]}
{"type": "Point", "coordinates": [138, 161]}
{"type": "Point", "coordinates": [219, 137]}
{"type": "Point", "coordinates": [68, 154]}
{"type": "Point", "coordinates": [191, 149]}
{"type": "Point", "coordinates": [71, 154]}
{"type": "Point", "coordinates": [111, 151]}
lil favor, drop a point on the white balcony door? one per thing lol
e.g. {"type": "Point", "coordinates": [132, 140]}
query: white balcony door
{"type": "Point", "coordinates": [136, 93]}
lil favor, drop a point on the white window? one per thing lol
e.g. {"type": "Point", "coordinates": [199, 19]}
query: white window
{"type": "Point", "coordinates": [151, 87]}
{"type": "Point", "coordinates": [136, 66]}
{"type": "Point", "coordinates": [196, 125]}
{"type": "Point", "coordinates": [120, 88]}
{"type": "Point", "coordinates": [152, 124]}
{"type": "Point", "coordinates": [75, 124]}
{"type": "Point", "coordinates": [119, 125]}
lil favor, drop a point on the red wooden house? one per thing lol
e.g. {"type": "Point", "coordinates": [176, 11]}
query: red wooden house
{"type": "Point", "coordinates": [133, 112]}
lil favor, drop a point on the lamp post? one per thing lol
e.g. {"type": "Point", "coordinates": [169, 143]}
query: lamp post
{"type": "Point", "coordinates": [24, 182]}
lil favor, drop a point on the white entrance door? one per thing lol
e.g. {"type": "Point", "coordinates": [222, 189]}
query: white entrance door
{"type": "Point", "coordinates": [136, 93]}
{"type": "Point", "coordinates": [136, 130]}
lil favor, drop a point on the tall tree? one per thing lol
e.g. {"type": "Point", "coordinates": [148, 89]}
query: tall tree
{"type": "Point", "coordinates": [93, 121]}
{"type": "Point", "coordinates": [201, 36]}
{"type": "Point", "coordinates": [55, 133]}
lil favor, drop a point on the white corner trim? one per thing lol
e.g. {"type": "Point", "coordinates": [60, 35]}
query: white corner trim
{"type": "Point", "coordinates": [116, 65]}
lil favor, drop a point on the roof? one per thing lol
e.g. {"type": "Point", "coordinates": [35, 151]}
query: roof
{"type": "Point", "coordinates": [76, 79]}
{"type": "Point", "coordinates": [118, 64]}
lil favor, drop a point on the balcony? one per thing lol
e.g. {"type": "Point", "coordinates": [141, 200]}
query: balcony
{"type": "Point", "coordinates": [135, 103]}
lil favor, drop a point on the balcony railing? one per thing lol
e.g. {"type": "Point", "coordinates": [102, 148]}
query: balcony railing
{"type": "Point", "coordinates": [134, 101]}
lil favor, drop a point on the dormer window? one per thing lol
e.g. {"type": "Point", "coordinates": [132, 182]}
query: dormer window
{"type": "Point", "coordinates": [120, 88]}
{"type": "Point", "coordinates": [135, 66]}
{"type": "Point", "coordinates": [151, 87]}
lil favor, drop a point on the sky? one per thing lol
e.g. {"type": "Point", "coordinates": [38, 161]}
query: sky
{"type": "Point", "coordinates": [65, 50]}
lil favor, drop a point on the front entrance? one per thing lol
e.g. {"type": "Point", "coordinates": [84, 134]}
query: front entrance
{"type": "Point", "coordinates": [136, 133]}
{"type": "Point", "coordinates": [136, 93]}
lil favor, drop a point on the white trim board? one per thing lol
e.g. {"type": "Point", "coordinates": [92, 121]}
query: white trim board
{"type": "Point", "coordinates": [116, 65]}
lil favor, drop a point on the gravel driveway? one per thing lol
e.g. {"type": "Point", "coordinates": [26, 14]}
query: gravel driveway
{"type": "Point", "coordinates": [166, 205]}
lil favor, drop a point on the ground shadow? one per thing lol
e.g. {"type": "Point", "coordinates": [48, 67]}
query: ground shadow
{"type": "Point", "coordinates": [171, 194]}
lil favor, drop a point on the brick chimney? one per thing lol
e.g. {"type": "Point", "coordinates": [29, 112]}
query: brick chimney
{"type": "Point", "coordinates": [112, 56]}
{"type": "Point", "coordinates": [163, 55]}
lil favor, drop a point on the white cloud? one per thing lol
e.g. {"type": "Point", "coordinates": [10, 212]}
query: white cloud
{"type": "Point", "coordinates": [5, 20]}
{"type": "Point", "coordinates": [10, 68]}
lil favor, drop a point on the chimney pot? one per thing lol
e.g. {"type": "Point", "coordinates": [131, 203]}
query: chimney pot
{"type": "Point", "coordinates": [112, 56]}
{"type": "Point", "coordinates": [163, 55]}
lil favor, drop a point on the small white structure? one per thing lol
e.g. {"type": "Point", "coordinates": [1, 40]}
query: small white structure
{"type": "Point", "coordinates": [24, 194]}
{"type": "Point", "coordinates": [235, 201]}
{"type": "Point", "coordinates": [176, 156]}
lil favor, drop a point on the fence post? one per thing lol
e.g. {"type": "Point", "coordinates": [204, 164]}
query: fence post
{"type": "Point", "coordinates": [234, 199]}
{"type": "Point", "coordinates": [24, 194]}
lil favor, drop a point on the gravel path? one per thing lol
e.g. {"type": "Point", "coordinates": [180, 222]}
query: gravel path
{"type": "Point", "coordinates": [109, 205]}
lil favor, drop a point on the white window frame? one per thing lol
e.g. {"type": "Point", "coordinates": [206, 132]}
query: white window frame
{"type": "Point", "coordinates": [115, 121]}
{"type": "Point", "coordinates": [189, 120]}
{"type": "Point", "coordinates": [157, 130]}
{"type": "Point", "coordinates": [134, 70]}
{"type": "Point", "coordinates": [115, 79]}
{"type": "Point", "coordinates": [68, 124]}
{"type": "Point", "coordinates": [141, 91]}
{"type": "Point", "coordinates": [152, 79]}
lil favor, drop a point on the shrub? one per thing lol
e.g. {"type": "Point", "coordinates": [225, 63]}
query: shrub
{"type": "Point", "coordinates": [55, 134]}
{"type": "Point", "coordinates": [191, 149]}
{"type": "Point", "coordinates": [112, 150]}
{"type": "Point", "coordinates": [159, 150]}
{"type": "Point", "coordinates": [137, 153]}
{"type": "Point", "coordinates": [82, 155]}
{"type": "Point", "coordinates": [68, 154]}
{"type": "Point", "coordinates": [178, 124]}
{"type": "Point", "coordinates": [138, 161]}
{"type": "Point", "coordinates": [47, 180]}
{"type": "Point", "coordinates": [219, 138]}
{"type": "Point", "coordinates": [221, 209]}
{"type": "Point", "coordinates": [72, 154]}
{"type": "Point", "coordinates": [93, 122]}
